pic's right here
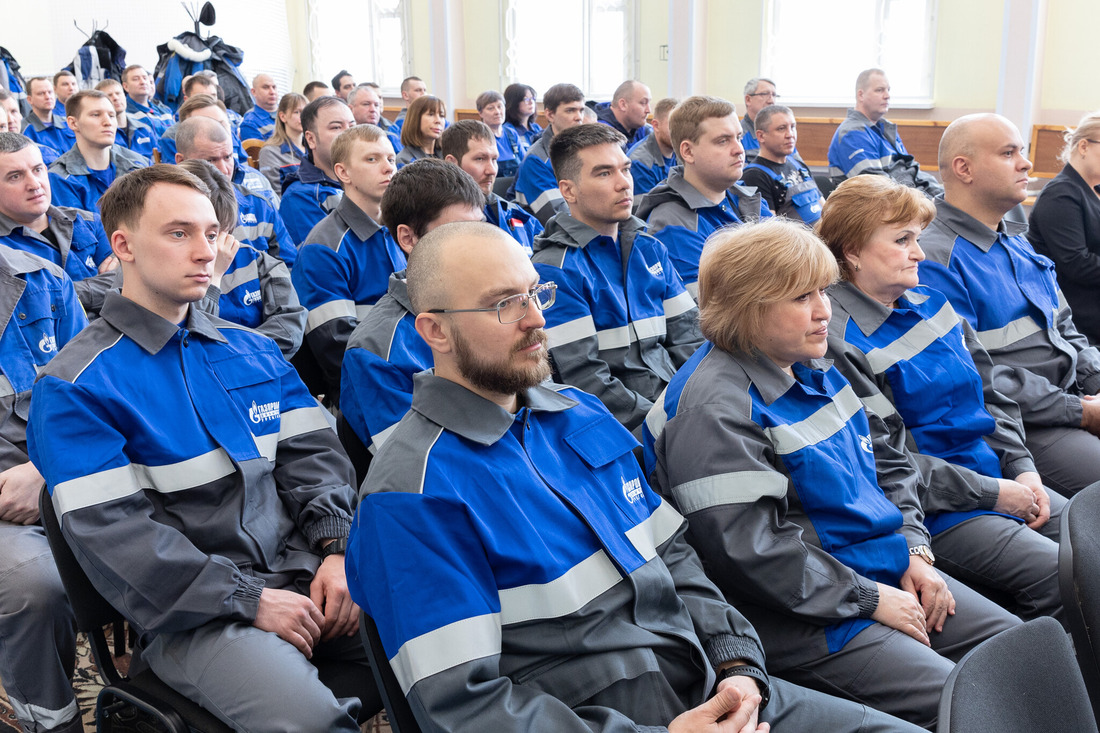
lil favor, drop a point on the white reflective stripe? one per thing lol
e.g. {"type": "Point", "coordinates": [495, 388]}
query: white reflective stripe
{"type": "Point", "coordinates": [1062, 303]}
{"type": "Point", "coordinates": [332, 201]}
{"type": "Point", "coordinates": [361, 311]}
{"type": "Point", "coordinates": [240, 276]}
{"type": "Point", "coordinates": [6, 390]}
{"type": "Point", "coordinates": [246, 232]}
{"type": "Point", "coordinates": [267, 445]}
{"type": "Point", "coordinates": [879, 405]}
{"type": "Point", "coordinates": [329, 311]}
{"type": "Point", "coordinates": [44, 718]}
{"type": "Point", "coordinates": [567, 333]}
{"type": "Point", "coordinates": [680, 304]}
{"type": "Point", "coordinates": [652, 327]}
{"type": "Point", "coordinates": [999, 338]}
{"type": "Point", "coordinates": [918, 338]}
{"type": "Point", "coordinates": [546, 198]}
{"type": "Point", "coordinates": [693, 288]}
{"type": "Point", "coordinates": [565, 594]}
{"type": "Point", "coordinates": [301, 421]}
{"type": "Point", "coordinates": [656, 418]}
{"type": "Point", "coordinates": [115, 483]}
{"type": "Point", "coordinates": [819, 426]}
{"type": "Point", "coordinates": [378, 439]}
{"type": "Point", "coordinates": [736, 487]}
{"type": "Point", "coordinates": [648, 535]}
{"type": "Point", "coordinates": [615, 338]}
{"type": "Point", "coordinates": [446, 647]}
{"type": "Point", "coordinates": [870, 164]}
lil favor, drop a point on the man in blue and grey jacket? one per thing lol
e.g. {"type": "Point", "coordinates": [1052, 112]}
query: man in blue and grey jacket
{"type": "Point", "coordinates": [535, 186]}
{"type": "Point", "coordinates": [554, 591]}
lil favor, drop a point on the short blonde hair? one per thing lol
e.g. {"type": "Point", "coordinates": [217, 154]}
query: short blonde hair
{"type": "Point", "coordinates": [686, 119]}
{"type": "Point", "coordinates": [861, 205]}
{"type": "Point", "coordinates": [745, 269]}
{"type": "Point", "coordinates": [1088, 127]}
{"type": "Point", "coordinates": [344, 144]}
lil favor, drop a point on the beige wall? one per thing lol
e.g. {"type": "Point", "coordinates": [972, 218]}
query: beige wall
{"type": "Point", "coordinates": [1070, 85]}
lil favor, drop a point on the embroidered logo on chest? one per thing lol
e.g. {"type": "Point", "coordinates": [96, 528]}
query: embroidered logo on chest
{"type": "Point", "coordinates": [865, 443]}
{"type": "Point", "coordinates": [656, 270]}
{"type": "Point", "coordinates": [248, 218]}
{"type": "Point", "coordinates": [251, 297]}
{"type": "Point", "coordinates": [48, 344]}
{"type": "Point", "coordinates": [632, 489]}
{"type": "Point", "coordinates": [264, 412]}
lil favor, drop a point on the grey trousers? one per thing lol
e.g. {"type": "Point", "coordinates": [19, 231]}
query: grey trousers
{"type": "Point", "coordinates": [992, 552]}
{"type": "Point", "coordinates": [1068, 459]}
{"type": "Point", "coordinates": [895, 673]}
{"type": "Point", "coordinates": [37, 636]}
{"type": "Point", "coordinates": [793, 708]}
{"type": "Point", "coordinates": [255, 681]}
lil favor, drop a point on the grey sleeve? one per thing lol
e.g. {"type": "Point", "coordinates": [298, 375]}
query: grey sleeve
{"type": "Point", "coordinates": [578, 363]}
{"type": "Point", "coordinates": [92, 291]}
{"type": "Point", "coordinates": [1007, 439]}
{"type": "Point", "coordinates": [284, 317]}
{"type": "Point", "coordinates": [719, 469]}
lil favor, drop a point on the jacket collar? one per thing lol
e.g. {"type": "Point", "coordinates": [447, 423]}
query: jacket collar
{"type": "Point", "coordinates": [398, 288]}
{"type": "Point", "coordinates": [563, 229]}
{"type": "Point", "coordinates": [972, 230]}
{"type": "Point", "coordinates": [147, 329]}
{"type": "Point", "coordinates": [362, 225]}
{"type": "Point", "coordinates": [770, 381]}
{"type": "Point", "coordinates": [457, 409]}
{"type": "Point", "coordinates": [308, 172]}
{"type": "Point", "coordinates": [691, 195]}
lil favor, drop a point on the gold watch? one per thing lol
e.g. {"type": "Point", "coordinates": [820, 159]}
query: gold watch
{"type": "Point", "coordinates": [924, 552]}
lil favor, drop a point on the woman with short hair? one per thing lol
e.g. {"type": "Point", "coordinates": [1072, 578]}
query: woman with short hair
{"type": "Point", "coordinates": [520, 113]}
{"type": "Point", "coordinates": [424, 123]}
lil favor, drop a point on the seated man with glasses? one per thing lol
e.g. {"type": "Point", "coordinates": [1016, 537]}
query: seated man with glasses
{"type": "Point", "coordinates": [759, 93]}
{"type": "Point", "coordinates": [625, 323]}
{"type": "Point", "coordinates": [553, 590]}
{"type": "Point", "coordinates": [867, 142]}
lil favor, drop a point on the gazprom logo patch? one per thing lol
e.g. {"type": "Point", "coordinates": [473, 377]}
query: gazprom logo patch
{"type": "Point", "coordinates": [656, 270]}
{"type": "Point", "coordinates": [865, 443]}
{"type": "Point", "coordinates": [248, 218]}
{"type": "Point", "coordinates": [251, 297]}
{"type": "Point", "coordinates": [48, 344]}
{"type": "Point", "coordinates": [90, 262]}
{"type": "Point", "coordinates": [264, 412]}
{"type": "Point", "coordinates": [632, 489]}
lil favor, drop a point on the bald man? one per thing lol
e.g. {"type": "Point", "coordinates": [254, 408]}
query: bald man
{"type": "Point", "coordinates": [498, 487]}
{"type": "Point", "coordinates": [258, 123]}
{"type": "Point", "coordinates": [628, 112]}
{"type": "Point", "coordinates": [1009, 294]}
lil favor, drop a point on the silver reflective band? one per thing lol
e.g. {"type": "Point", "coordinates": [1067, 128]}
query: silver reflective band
{"type": "Point", "coordinates": [736, 487]}
{"type": "Point", "coordinates": [818, 427]}
{"type": "Point", "coordinates": [922, 335]}
{"type": "Point", "coordinates": [999, 338]}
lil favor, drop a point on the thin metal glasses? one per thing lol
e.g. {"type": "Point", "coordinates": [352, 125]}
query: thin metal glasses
{"type": "Point", "coordinates": [514, 307]}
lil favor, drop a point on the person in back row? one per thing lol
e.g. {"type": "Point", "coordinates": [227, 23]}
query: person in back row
{"type": "Point", "coordinates": [535, 186]}
{"type": "Point", "coordinates": [623, 323]}
{"type": "Point", "coordinates": [490, 107]}
{"type": "Point", "coordinates": [283, 152]}
{"type": "Point", "coordinates": [422, 128]}
{"type": "Point", "coordinates": [131, 134]}
{"type": "Point", "coordinates": [628, 112]}
{"type": "Point", "coordinates": [520, 113]}
{"type": "Point", "coordinates": [701, 195]}
{"type": "Point", "coordinates": [554, 591]}
{"type": "Point", "coordinates": [44, 125]}
{"type": "Point", "coordinates": [653, 157]}
{"type": "Point", "coordinates": [258, 123]}
{"type": "Point", "coordinates": [785, 182]}
{"type": "Point", "coordinates": [759, 93]}
{"type": "Point", "coordinates": [471, 146]}
{"type": "Point", "coordinates": [384, 351]}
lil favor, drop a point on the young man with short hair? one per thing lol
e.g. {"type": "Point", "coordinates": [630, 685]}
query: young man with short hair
{"type": "Point", "coordinates": [785, 182]}
{"type": "Point", "coordinates": [535, 186]}
{"type": "Point", "coordinates": [140, 103]}
{"type": "Point", "coordinates": [653, 157]}
{"type": "Point", "coordinates": [43, 125]}
{"type": "Point", "coordinates": [412, 88]}
{"type": "Point", "coordinates": [83, 173]}
{"type": "Point", "coordinates": [316, 89]}
{"type": "Point", "coordinates": [471, 145]}
{"type": "Point", "coordinates": [258, 123]}
{"type": "Point", "coordinates": [624, 322]}
{"type": "Point", "coordinates": [702, 194]}
{"type": "Point", "coordinates": [64, 86]}
{"type": "Point", "coordinates": [130, 134]}
{"type": "Point", "coordinates": [206, 492]}
{"type": "Point", "coordinates": [72, 239]}
{"type": "Point", "coordinates": [384, 351]}
{"type": "Point", "coordinates": [346, 260]}
{"type": "Point", "coordinates": [312, 192]}
{"type": "Point", "coordinates": [342, 84]}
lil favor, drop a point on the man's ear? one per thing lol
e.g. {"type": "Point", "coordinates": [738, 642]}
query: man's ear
{"type": "Point", "coordinates": [341, 172]}
{"type": "Point", "coordinates": [961, 168]}
{"type": "Point", "coordinates": [450, 159]}
{"type": "Point", "coordinates": [406, 238]}
{"type": "Point", "coordinates": [121, 245]}
{"type": "Point", "coordinates": [310, 139]}
{"type": "Point", "coordinates": [435, 334]}
{"type": "Point", "coordinates": [687, 154]}
{"type": "Point", "coordinates": [568, 190]}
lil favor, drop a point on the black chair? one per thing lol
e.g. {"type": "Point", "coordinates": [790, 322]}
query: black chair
{"type": "Point", "coordinates": [141, 702]}
{"type": "Point", "coordinates": [501, 186]}
{"type": "Point", "coordinates": [1079, 580]}
{"type": "Point", "coordinates": [1023, 679]}
{"type": "Point", "coordinates": [359, 454]}
{"type": "Point", "coordinates": [397, 706]}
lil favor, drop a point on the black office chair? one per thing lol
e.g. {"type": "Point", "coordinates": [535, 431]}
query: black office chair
{"type": "Point", "coordinates": [397, 706]}
{"type": "Point", "coordinates": [1022, 680]}
{"type": "Point", "coordinates": [141, 702]}
{"type": "Point", "coordinates": [1079, 580]}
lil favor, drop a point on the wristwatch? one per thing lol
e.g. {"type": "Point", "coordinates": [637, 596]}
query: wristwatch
{"type": "Point", "coordinates": [758, 676]}
{"type": "Point", "coordinates": [924, 552]}
{"type": "Point", "coordinates": [336, 547]}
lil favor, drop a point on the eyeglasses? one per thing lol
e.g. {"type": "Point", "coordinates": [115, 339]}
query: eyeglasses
{"type": "Point", "coordinates": [528, 99]}
{"type": "Point", "coordinates": [1094, 142]}
{"type": "Point", "coordinates": [514, 307]}
{"type": "Point", "coordinates": [770, 95]}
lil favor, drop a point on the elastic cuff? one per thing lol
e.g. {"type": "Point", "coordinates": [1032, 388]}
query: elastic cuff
{"type": "Point", "coordinates": [1018, 466]}
{"type": "Point", "coordinates": [724, 648]}
{"type": "Point", "coordinates": [990, 493]}
{"type": "Point", "coordinates": [868, 599]}
{"type": "Point", "coordinates": [246, 598]}
{"type": "Point", "coordinates": [328, 528]}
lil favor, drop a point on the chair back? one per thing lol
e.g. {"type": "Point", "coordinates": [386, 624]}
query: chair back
{"type": "Point", "coordinates": [397, 706]}
{"type": "Point", "coordinates": [1021, 680]}
{"type": "Point", "coordinates": [1079, 581]}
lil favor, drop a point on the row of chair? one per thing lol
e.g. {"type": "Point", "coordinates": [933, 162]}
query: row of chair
{"type": "Point", "coordinates": [1024, 679]}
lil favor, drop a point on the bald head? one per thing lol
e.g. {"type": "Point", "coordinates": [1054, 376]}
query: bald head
{"type": "Point", "coordinates": [984, 169]}
{"type": "Point", "coordinates": [266, 92]}
{"type": "Point", "coordinates": [458, 255]}
{"type": "Point", "coordinates": [960, 136]}
{"type": "Point", "coordinates": [195, 130]}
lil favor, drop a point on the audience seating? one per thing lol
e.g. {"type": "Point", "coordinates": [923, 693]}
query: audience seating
{"type": "Point", "coordinates": [1079, 578]}
{"type": "Point", "coordinates": [397, 706]}
{"type": "Point", "coordinates": [921, 138]}
{"type": "Point", "coordinates": [1022, 680]}
{"type": "Point", "coordinates": [252, 146]}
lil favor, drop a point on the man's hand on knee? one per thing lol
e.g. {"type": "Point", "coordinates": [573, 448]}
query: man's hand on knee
{"type": "Point", "coordinates": [329, 591]}
{"type": "Point", "coordinates": [294, 618]}
{"type": "Point", "coordinates": [20, 487]}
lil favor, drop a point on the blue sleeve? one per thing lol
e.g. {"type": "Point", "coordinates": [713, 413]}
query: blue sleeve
{"type": "Point", "coordinates": [374, 393]}
{"type": "Point", "coordinates": [167, 146]}
{"type": "Point", "coordinates": [645, 177]}
{"type": "Point", "coordinates": [300, 213]}
{"type": "Point", "coordinates": [248, 130]}
{"type": "Point", "coordinates": [537, 189]}
{"type": "Point", "coordinates": [72, 192]}
{"type": "Point", "coordinates": [854, 153]}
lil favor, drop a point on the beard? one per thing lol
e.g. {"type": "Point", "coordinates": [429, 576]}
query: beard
{"type": "Point", "coordinates": [514, 375]}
